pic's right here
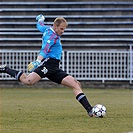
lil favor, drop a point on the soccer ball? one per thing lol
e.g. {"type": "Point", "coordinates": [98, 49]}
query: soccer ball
{"type": "Point", "coordinates": [99, 110]}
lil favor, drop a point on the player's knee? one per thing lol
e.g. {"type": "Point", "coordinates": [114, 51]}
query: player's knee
{"type": "Point", "coordinates": [28, 81]}
{"type": "Point", "coordinates": [79, 83]}
{"type": "Point", "coordinates": [71, 82]}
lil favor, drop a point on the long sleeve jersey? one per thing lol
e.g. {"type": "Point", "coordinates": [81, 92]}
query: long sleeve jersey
{"type": "Point", "coordinates": [51, 45]}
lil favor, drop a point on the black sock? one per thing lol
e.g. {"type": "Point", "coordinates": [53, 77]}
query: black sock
{"type": "Point", "coordinates": [14, 73]}
{"type": "Point", "coordinates": [84, 101]}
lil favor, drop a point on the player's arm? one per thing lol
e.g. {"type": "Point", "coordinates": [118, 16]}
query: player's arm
{"type": "Point", "coordinates": [33, 65]}
{"type": "Point", "coordinates": [40, 23]}
{"type": "Point", "coordinates": [42, 54]}
{"type": "Point", "coordinates": [41, 27]}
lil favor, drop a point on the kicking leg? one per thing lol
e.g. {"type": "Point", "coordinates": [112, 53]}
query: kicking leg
{"type": "Point", "coordinates": [80, 96]}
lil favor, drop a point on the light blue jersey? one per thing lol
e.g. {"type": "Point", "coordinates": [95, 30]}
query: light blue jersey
{"type": "Point", "coordinates": [51, 45]}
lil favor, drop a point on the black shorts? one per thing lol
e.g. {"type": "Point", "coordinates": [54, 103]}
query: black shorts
{"type": "Point", "coordinates": [50, 68]}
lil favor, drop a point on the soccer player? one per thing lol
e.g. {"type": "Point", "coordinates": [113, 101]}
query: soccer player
{"type": "Point", "coordinates": [47, 62]}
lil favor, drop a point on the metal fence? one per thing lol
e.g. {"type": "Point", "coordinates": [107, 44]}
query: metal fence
{"type": "Point", "coordinates": [83, 65]}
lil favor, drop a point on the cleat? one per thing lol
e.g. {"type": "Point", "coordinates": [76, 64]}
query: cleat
{"type": "Point", "coordinates": [3, 68]}
{"type": "Point", "coordinates": [90, 113]}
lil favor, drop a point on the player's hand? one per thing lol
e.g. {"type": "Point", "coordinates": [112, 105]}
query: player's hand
{"type": "Point", "coordinates": [40, 18]}
{"type": "Point", "coordinates": [33, 65]}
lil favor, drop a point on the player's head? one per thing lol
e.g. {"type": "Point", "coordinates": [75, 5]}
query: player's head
{"type": "Point", "coordinates": [60, 25]}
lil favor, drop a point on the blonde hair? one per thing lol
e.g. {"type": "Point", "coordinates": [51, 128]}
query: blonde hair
{"type": "Point", "coordinates": [60, 20]}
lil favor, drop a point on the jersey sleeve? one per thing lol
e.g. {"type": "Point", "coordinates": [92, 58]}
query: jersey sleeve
{"type": "Point", "coordinates": [41, 27]}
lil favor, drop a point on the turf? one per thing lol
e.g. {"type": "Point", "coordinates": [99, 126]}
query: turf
{"type": "Point", "coordinates": [57, 111]}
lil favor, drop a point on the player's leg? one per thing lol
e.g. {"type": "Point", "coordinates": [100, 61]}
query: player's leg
{"type": "Point", "coordinates": [72, 83]}
{"type": "Point", "coordinates": [80, 96]}
{"type": "Point", "coordinates": [30, 79]}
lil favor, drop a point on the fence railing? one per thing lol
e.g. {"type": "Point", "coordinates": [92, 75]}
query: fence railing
{"type": "Point", "coordinates": [99, 65]}
{"type": "Point", "coordinates": [84, 65]}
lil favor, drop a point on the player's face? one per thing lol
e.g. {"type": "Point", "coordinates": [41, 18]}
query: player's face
{"type": "Point", "coordinates": [60, 29]}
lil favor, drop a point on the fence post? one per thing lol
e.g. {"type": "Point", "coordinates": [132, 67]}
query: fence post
{"type": "Point", "coordinates": [131, 63]}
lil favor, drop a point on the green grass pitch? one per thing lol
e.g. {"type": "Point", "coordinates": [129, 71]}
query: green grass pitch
{"type": "Point", "coordinates": [57, 111]}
